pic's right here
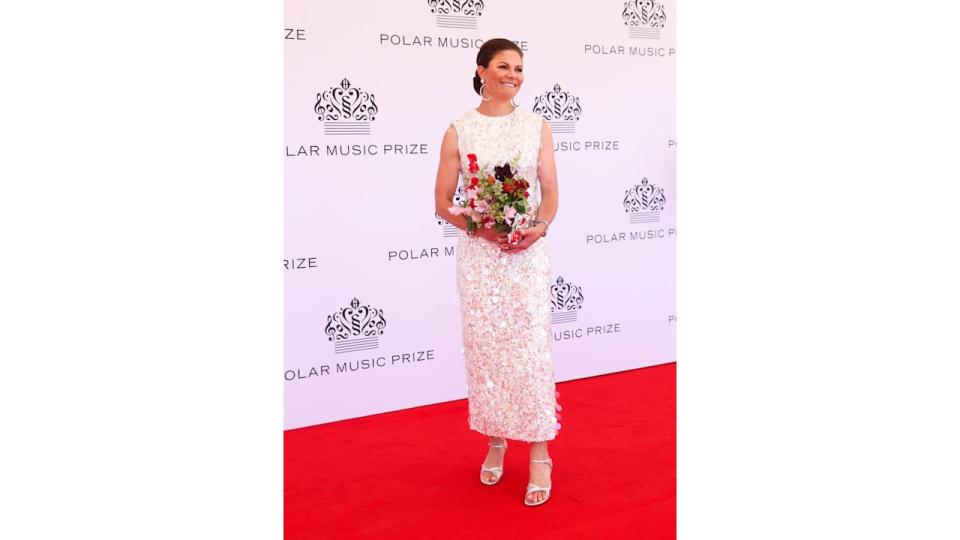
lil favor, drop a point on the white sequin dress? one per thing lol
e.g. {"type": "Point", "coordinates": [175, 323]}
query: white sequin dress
{"type": "Point", "coordinates": [505, 297]}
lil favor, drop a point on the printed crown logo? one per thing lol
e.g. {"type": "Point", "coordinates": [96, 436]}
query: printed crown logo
{"type": "Point", "coordinates": [644, 202]}
{"type": "Point", "coordinates": [457, 13]}
{"type": "Point", "coordinates": [566, 299]}
{"type": "Point", "coordinates": [355, 328]}
{"type": "Point", "coordinates": [345, 110]}
{"type": "Point", "coordinates": [644, 18]}
{"type": "Point", "coordinates": [559, 108]}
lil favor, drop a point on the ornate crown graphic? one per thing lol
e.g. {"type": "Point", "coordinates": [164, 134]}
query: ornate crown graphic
{"type": "Point", "coordinates": [449, 231]}
{"type": "Point", "coordinates": [456, 13]}
{"type": "Point", "coordinates": [644, 202]}
{"type": "Point", "coordinates": [565, 300]}
{"type": "Point", "coordinates": [355, 328]}
{"type": "Point", "coordinates": [345, 110]}
{"type": "Point", "coordinates": [466, 7]}
{"type": "Point", "coordinates": [644, 18]}
{"type": "Point", "coordinates": [560, 109]}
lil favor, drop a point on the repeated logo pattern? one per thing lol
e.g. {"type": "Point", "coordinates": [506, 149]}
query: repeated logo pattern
{"type": "Point", "coordinates": [644, 18]}
{"type": "Point", "coordinates": [566, 299]}
{"type": "Point", "coordinates": [559, 108]}
{"type": "Point", "coordinates": [346, 110]}
{"type": "Point", "coordinates": [355, 328]}
{"type": "Point", "coordinates": [457, 13]}
{"type": "Point", "coordinates": [644, 201]}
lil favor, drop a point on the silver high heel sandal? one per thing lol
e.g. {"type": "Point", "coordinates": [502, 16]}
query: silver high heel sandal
{"type": "Point", "coordinates": [496, 471]}
{"type": "Point", "coordinates": [533, 488]}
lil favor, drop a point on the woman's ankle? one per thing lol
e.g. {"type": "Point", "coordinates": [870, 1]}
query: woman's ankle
{"type": "Point", "coordinates": [539, 451]}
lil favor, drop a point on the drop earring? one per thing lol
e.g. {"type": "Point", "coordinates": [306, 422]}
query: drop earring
{"type": "Point", "coordinates": [482, 84]}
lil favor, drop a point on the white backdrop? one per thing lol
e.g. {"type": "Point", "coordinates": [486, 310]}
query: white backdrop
{"type": "Point", "coordinates": [369, 90]}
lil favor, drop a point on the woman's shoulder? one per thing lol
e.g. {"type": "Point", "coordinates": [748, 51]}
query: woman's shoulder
{"type": "Point", "coordinates": [532, 119]}
{"type": "Point", "coordinates": [467, 115]}
{"type": "Point", "coordinates": [461, 121]}
{"type": "Point", "coordinates": [536, 117]}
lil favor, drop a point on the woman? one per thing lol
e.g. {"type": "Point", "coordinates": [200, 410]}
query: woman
{"type": "Point", "coordinates": [504, 287]}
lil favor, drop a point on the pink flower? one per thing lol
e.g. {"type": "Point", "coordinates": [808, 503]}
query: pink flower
{"type": "Point", "coordinates": [509, 212]}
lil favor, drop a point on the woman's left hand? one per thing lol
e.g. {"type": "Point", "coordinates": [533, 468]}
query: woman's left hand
{"type": "Point", "coordinates": [530, 236]}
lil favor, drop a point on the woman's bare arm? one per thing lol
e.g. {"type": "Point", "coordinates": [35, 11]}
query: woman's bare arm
{"type": "Point", "coordinates": [547, 172]}
{"type": "Point", "coordinates": [448, 172]}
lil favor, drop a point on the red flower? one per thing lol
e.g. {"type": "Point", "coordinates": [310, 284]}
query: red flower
{"type": "Point", "coordinates": [471, 204]}
{"type": "Point", "coordinates": [472, 158]}
{"type": "Point", "coordinates": [473, 166]}
{"type": "Point", "coordinates": [474, 181]}
{"type": "Point", "coordinates": [526, 193]}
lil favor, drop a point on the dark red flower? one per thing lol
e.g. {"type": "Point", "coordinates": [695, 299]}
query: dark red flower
{"type": "Point", "coordinates": [472, 158]}
{"type": "Point", "coordinates": [473, 166]}
{"type": "Point", "coordinates": [503, 172]}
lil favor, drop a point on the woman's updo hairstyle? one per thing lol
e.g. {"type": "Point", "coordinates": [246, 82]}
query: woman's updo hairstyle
{"type": "Point", "coordinates": [486, 53]}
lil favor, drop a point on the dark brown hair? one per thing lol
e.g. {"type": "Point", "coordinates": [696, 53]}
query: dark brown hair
{"type": "Point", "coordinates": [486, 53]}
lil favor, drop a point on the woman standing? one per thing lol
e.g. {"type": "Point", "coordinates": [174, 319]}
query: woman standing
{"type": "Point", "coordinates": [503, 287]}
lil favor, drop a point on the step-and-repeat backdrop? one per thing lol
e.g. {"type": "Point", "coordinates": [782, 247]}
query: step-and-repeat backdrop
{"type": "Point", "coordinates": [372, 318]}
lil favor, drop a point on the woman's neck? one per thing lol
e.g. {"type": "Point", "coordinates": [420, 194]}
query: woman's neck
{"type": "Point", "coordinates": [495, 107]}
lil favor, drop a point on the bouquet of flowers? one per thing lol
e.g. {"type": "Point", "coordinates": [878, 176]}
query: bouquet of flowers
{"type": "Point", "coordinates": [496, 200]}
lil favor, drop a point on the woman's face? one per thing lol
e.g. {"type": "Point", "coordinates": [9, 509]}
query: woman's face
{"type": "Point", "coordinates": [504, 75]}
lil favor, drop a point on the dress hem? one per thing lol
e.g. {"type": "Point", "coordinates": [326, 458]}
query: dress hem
{"type": "Point", "coordinates": [504, 435]}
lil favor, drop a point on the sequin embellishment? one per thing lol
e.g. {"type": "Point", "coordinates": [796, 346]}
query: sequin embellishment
{"type": "Point", "coordinates": [505, 300]}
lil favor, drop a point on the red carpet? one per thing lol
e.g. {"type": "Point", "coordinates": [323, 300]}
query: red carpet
{"type": "Point", "coordinates": [415, 473]}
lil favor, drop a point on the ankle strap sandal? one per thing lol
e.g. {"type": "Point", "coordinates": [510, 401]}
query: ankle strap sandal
{"type": "Point", "coordinates": [533, 488]}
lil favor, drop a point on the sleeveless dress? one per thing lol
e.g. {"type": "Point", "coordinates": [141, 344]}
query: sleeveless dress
{"type": "Point", "coordinates": [505, 297]}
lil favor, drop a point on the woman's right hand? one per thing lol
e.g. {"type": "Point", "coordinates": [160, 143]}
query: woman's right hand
{"type": "Point", "coordinates": [491, 235]}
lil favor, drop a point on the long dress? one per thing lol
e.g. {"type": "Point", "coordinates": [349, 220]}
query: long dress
{"type": "Point", "coordinates": [505, 297]}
